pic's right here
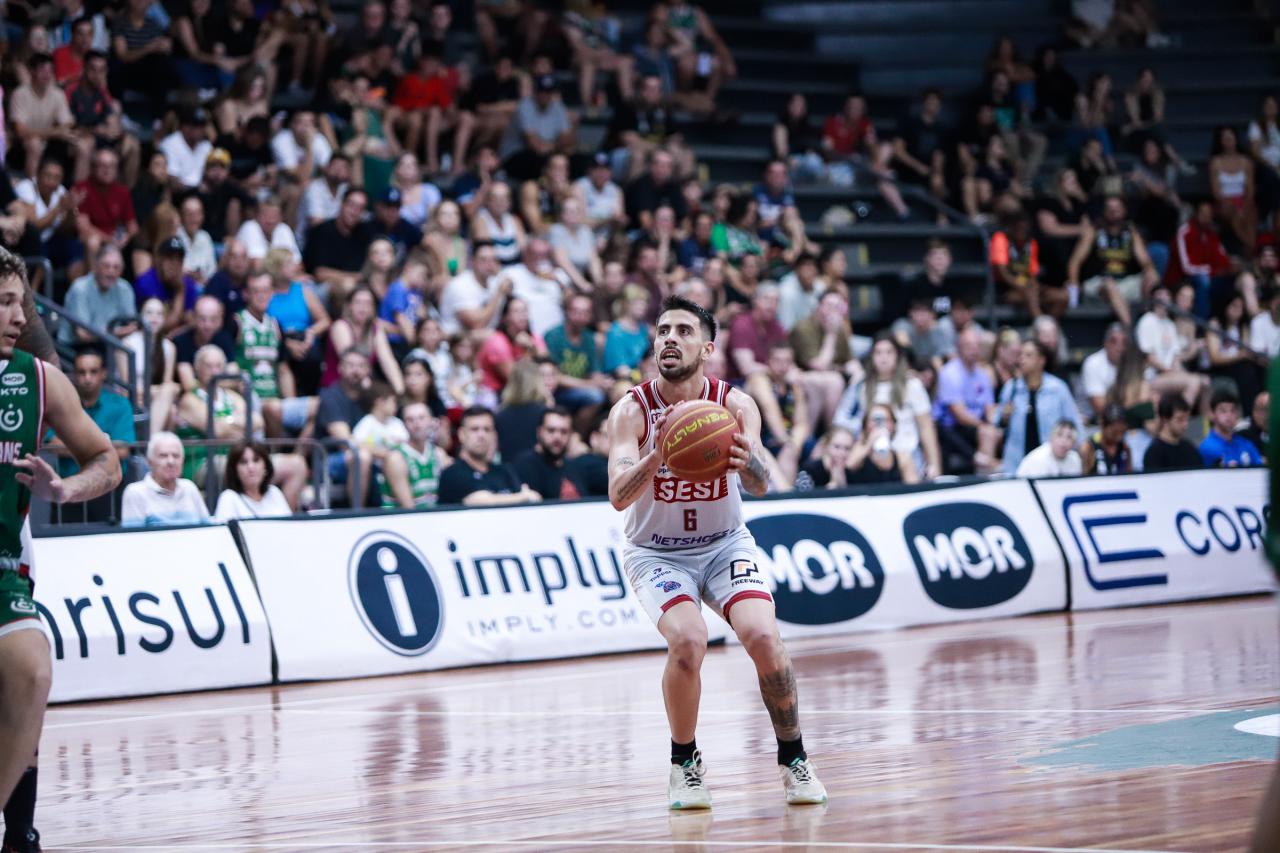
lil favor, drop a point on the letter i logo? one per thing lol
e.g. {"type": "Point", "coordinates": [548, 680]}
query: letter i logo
{"type": "Point", "coordinates": [395, 593]}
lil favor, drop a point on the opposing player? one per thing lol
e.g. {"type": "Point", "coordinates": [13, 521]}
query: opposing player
{"type": "Point", "coordinates": [684, 546]}
{"type": "Point", "coordinates": [33, 395]}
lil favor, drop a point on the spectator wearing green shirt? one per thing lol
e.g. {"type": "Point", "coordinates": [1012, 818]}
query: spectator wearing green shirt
{"type": "Point", "coordinates": [736, 236]}
{"type": "Point", "coordinates": [572, 346]}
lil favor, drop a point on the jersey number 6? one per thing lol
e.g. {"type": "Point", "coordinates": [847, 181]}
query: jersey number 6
{"type": "Point", "coordinates": [690, 519]}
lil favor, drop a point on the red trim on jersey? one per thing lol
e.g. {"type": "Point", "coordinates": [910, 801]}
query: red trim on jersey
{"type": "Point", "coordinates": [746, 593]}
{"type": "Point", "coordinates": [40, 391]}
{"type": "Point", "coordinates": [673, 602]}
{"type": "Point", "coordinates": [652, 387]}
{"type": "Point", "coordinates": [644, 406]}
{"type": "Point", "coordinates": [24, 571]}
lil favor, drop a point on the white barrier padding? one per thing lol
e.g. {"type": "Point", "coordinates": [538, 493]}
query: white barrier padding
{"type": "Point", "coordinates": [417, 591]}
{"type": "Point", "coordinates": [145, 612]}
{"type": "Point", "coordinates": [1161, 537]}
{"type": "Point", "coordinates": [889, 561]}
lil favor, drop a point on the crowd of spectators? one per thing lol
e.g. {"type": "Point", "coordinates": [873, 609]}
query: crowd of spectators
{"type": "Point", "coordinates": [388, 234]}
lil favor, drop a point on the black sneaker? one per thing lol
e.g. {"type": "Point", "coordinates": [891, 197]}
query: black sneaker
{"type": "Point", "coordinates": [30, 844]}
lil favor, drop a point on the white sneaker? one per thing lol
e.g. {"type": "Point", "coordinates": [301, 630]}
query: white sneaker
{"type": "Point", "coordinates": [686, 790]}
{"type": "Point", "coordinates": [801, 783]}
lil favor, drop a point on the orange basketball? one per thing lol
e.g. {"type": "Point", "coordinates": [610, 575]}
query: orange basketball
{"type": "Point", "coordinates": [695, 441]}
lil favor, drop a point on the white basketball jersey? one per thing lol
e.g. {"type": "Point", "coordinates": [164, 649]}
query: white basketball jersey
{"type": "Point", "coordinates": [677, 514]}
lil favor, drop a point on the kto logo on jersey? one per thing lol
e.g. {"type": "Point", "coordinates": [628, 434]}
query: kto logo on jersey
{"type": "Point", "coordinates": [11, 419]}
{"type": "Point", "coordinates": [820, 569]}
{"type": "Point", "coordinates": [670, 490]}
{"type": "Point", "coordinates": [968, 555]}
{"type": "Point", "coordinates": [395, 593]}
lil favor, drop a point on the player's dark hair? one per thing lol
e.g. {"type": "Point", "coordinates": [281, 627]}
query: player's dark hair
{"type": "Point", "coordinates": [1170, 404]}
{"type": "Point", "coordinates": [705, 317]}
{"type": "Point", "coordinates": [12, 265]}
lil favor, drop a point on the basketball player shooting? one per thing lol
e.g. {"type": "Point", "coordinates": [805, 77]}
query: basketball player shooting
{"type": "Point", "coordinates": [33, 395]}
{"type": "Point", "coordinates": [687, 541]}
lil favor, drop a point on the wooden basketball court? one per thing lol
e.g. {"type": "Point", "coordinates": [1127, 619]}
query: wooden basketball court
{"type": "Point", "coordinates": [1140, 729]}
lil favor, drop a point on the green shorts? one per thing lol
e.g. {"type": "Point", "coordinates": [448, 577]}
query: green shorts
{"type": "Point", "coordinates": [17, 607]}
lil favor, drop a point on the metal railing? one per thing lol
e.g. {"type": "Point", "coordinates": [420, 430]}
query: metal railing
{"type": "Point", "coordinates": [1203, 326]}
{"type": "Point", "coordinates": [116, 350]}
{"type": "Point", "coordinates": [106, 510]}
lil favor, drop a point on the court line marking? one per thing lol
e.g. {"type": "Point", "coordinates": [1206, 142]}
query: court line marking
{"type": "Point", "coordinates": [748, 712]}
{"type": "Point", "coordinates": [605, 843]}
{"type": "Point", "coordinates": [274, 704]}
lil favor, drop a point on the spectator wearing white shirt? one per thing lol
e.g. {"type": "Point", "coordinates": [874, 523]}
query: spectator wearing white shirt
{"type": "Point", "coordinates": [267, 231]}
{"type": "Point", "coordinates": [200, 262]}
{"type": "Point", "coordinates": [162, 497]}
{"type": "Point", "coordinates": [473, 299]}
{"type": "Point", "coordinates": [380, 430]}
{"type": "Point", "coordinates": [602, 197]}
{"type": "Point", "coordinates": [51, 210]}
{"type": "Point", "coordinates": [300, 149]}
{"type": "Point", "coordinates": [187, 149]}
{"type": "Point", "coordinates": [1098, 373]}
{"type": "Point", "coordinates": [1264, 328]}
{"type": "Point", "coordinates": [322, 198]}
{"type": "Point", "coordinates": [1055, 458]}
{"type": "Point", "coordinates": [1166, 351]}
{"type": "Point", "coordinates": [249, 493]}
{"type": "Point", "coordinates": [542, 285]}
{"type": "Point", "coordinates": [1157, 334]}
{"type": "Point", "coordinates": [799, 292]}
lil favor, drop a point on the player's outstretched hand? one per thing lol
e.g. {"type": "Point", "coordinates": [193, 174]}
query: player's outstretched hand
{"type": "Point", "coordinates": [740, 453]}
{"type": "Point", "coordinates": [40, 478]}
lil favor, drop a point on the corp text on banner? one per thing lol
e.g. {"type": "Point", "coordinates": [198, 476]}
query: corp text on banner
{"type": "Point", "coordinates": [1161, 537]}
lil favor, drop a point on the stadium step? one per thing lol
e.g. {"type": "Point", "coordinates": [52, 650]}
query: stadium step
{"type": "Point", "coordinates": [912, 13]}
{"type": "Point", "coordinates": [873, 245]}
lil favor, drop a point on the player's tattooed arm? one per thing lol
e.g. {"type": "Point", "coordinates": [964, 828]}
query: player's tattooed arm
{"type": "Point", "coordinates": [35, 337]}
{"type": "Point", "coordinates": [747, 457]}
{"type": "Point", "coordinates": [755, 476]}
{"type": "Point", "coordinates": [99, 464]}
{"type": "Point", "coordinates": [630, 473]}
{"type": "Point", "coordinates": [778, 689]}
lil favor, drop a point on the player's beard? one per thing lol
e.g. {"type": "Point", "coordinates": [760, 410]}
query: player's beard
{"type": "Point", "coordinates": [679, 373]}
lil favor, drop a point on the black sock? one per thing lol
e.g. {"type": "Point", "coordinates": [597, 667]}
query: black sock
{"type": "Point", "coordinates": [682, 752]}
{"type": "Point", "coordinates": [20, 811]}
{"type": "Point", "coordinates": [790, 750]}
